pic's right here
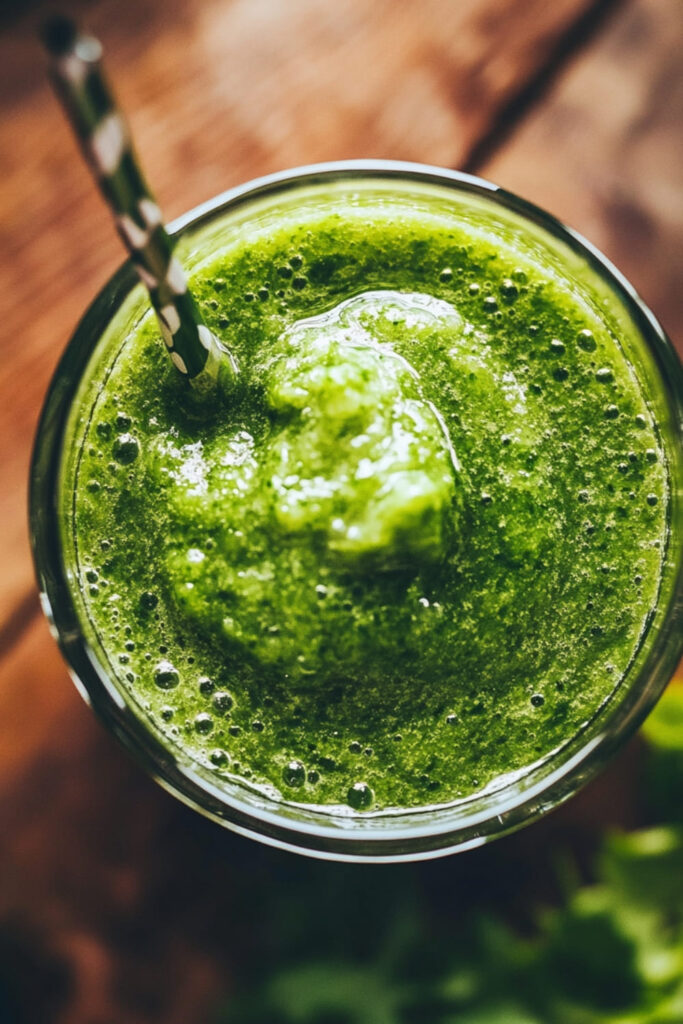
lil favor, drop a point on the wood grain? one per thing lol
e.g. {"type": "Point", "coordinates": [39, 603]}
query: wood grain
{"type": "Point", "coordinates": [604, 152]}
{"type": "Point", "coordinates": [220, 92]}
{"type": "Point", "coordinates": [94, 854]}
{"type": "Point", "coordinates": [91, 856]}
{"type": "Point", "coordinates": [119, 904]}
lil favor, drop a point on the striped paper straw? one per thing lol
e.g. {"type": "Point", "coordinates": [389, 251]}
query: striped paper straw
{"type": "Point", "coordinates": [104, 137]}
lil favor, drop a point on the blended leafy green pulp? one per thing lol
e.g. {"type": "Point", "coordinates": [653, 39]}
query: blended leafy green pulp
{"type": "Point", "coordinates": [417, 548]}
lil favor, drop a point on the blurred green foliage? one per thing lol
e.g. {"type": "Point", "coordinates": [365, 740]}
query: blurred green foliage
{"type": "Point", "coordinates": [610, 953]}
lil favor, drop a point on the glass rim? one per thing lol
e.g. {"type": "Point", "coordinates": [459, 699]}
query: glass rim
{"type": "Point", "coordinates": [412, 833]}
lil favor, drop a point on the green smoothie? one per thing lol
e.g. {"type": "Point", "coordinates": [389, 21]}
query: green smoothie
{"type": "Point", "coordinates": [416, 549]}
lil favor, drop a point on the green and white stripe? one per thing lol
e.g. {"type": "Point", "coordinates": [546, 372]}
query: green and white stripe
{"type": "Point", "coordinates": [105, 140]}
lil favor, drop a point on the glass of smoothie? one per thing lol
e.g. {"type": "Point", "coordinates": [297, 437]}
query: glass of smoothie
{"type": "Point", "coordinates": [409, 584]}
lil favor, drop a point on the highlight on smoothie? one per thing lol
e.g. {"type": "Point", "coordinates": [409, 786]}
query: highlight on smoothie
{"type": "Point", "coordinates": [408, 558]}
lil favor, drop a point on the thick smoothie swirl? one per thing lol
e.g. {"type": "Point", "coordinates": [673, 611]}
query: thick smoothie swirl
{"type": "Point", "coordinates": [417, 549]}
{"type": "Point", "coordinates": [355, 479]}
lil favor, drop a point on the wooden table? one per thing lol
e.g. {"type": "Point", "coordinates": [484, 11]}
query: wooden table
{"type": "Point", "coordinates": [576, 104]}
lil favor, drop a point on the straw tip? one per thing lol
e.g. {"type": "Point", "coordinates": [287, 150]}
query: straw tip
{"type": "Point", "coordinates": [59, 34]}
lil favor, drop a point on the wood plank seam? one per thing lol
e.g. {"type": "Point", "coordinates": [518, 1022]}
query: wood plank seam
{"type": "Point", "coordinates": [531, 93]}
{"type": "Point", "coordinates": [19, 620]}
{"type": "Point", "coordinates": [502, 126]}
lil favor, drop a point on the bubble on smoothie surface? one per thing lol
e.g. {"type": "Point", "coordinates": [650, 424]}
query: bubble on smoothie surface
{"type": "Point", "coordinates": [294, 774]}
{"type": "Point", "coordinates": [203, 723]}
{"type": "Point", "coordinates": [126, 449]}
{"type": "Point", "coordinates": [166, 675]}
{"type": "Point", "coordinates": [360, 796]}
{"type": "Point", "coordinates": [222, 702]}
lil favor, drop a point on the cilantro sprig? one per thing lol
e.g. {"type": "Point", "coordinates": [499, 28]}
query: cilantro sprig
{"type": "Point", "coordinates": [610, 953]}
